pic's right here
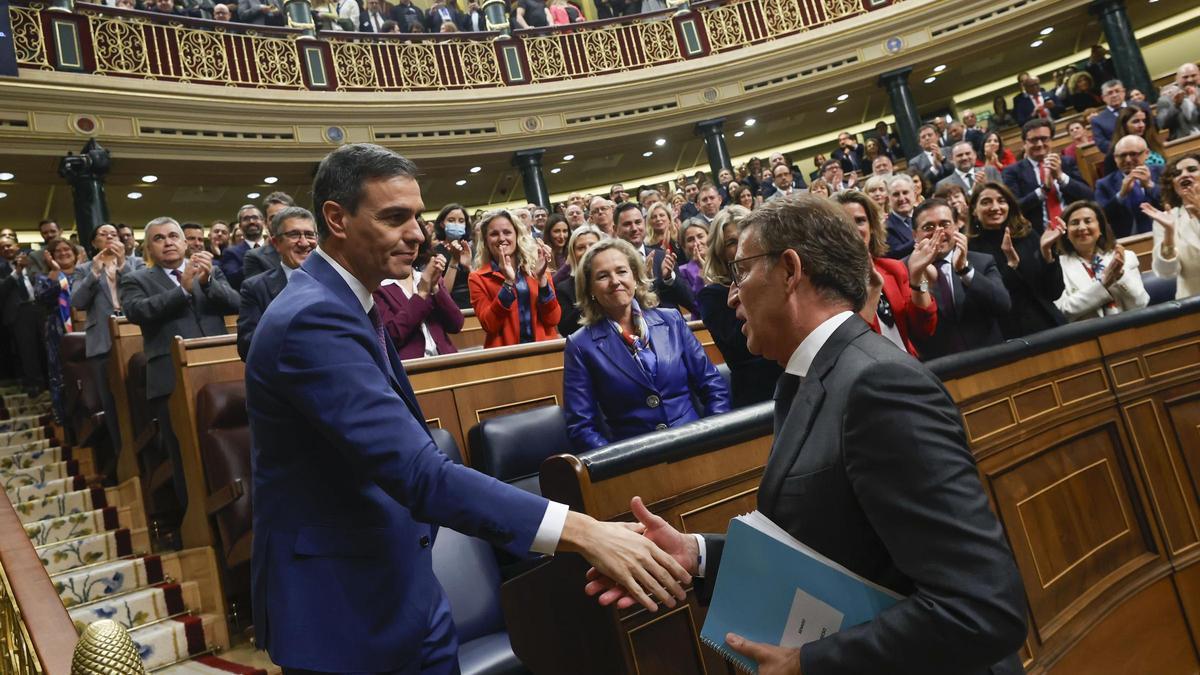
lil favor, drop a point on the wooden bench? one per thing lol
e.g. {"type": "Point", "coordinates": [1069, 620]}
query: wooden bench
{"type": "Point", "coordinates": [1081, 435]}
{"type": "Point", "coordinates": [1180, 147]}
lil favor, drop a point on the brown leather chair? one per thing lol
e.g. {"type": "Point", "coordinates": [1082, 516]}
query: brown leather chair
{"type": "Point", "coordinates": [225, 453]}
{"type": "Point", "coordinates": [81, 392]}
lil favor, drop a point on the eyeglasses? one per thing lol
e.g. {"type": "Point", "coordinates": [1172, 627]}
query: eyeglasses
{"type": "Point", "coordinates": [1036, 140]}
{"type": "Point", "coordinates": [1128, 155]}
{"type": "Point", "coordinates": [738, 271]}
{"type": "Point", "coordinates": [297, 235]}
{"type": "Point", "coordinates": [928, 228]}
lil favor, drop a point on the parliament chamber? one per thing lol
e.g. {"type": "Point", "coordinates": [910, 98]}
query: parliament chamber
{"type": "Point", "coordinates": [127, 538]}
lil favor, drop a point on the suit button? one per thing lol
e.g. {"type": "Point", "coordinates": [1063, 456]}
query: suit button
{"type": "Point", "coordinates": [425, 541]}
{"type": "Point", "coordinates": [660, 427]}
{"type": "Point", "coordinates": [653, 400]}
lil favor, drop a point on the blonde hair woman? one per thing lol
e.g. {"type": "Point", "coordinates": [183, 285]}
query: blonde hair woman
{"type": "Point", "coordinates": [661, 223]}
{"type": "Point", "coordinates": [581, 240]}
{"type": "Point", "coordinates": [510, 286]}
{"type": "Point", "coordinates": [626, 348]}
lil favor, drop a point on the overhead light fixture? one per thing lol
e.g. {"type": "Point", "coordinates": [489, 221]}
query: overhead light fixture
{"type": "Point", "coordinates": [750, 121]}
{"type": "Point", "coordinates": [567, 158]}
{"type": "Point", "coordinates": [150, 178]}
{"type": "Point", "coordinates": [930, 80]}
{"type": "Point", "coordinates": [1035, 43]}
{"type": "Point", "coordinates": [3, 195]}
{"type": "Point", "coordinates": [134, 195]}
{"type": "Point", "coordinates": [939, 68]}
{"type": "Point", "coordinates": [648, 153]}
{"type": "Point", "coordinates": [253, 195]}
{"type": "Point", "coordinates": [270, 180]}
{"type": "Point", "coordinates": [738, 134]}
{"type": "Point", "coordinates": [460, 182]}
{"type": "Point", "coordinates": [843, 97]}
{"type": "Point", "coordinates": [4, 175]}
{"type": "Point", "coordinates": [476, 169]}
{"type": "Point", "coordinates": [660, 142]}
{"type": "Point", "coordinates": [1047, 30]}
{"type": "Point", "coordinates": [831, 109]}
{"type": "Point", "coordinates": [556, 169]}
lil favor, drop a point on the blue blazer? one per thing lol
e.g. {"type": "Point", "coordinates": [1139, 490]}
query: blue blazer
{"type": "Point", "coordinates": [900, 238]}
{"type": "Point", "coordinates": [231, 263]}
{"type": "Point", "coordinates": [348, 486]}
{"type": "Point", "coordinates": [603, 384]}
{"type": "Point", "coordinates": [1020, 178]}
{"type": "Point", "coordinates": [1023, 107]}
{"type": "Point", "coordinates": [1104, 125]}
{"type": "Point", "coordinates": [1125, 215]}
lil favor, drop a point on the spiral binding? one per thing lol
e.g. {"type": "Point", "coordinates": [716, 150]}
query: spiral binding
{"type": "Point", "coordinates": [731, 656]}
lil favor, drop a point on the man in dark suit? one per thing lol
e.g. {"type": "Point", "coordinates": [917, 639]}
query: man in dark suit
{"type": "Point", "coordinates": [966, 175]}
{"type": "Point", "coordinates": [1122, 192]}
{"type": "Point", "coordinates": [472, 19]}
{"type": "Point", "coordinates": [260, 12]}
{"type": "Point", "coordinates": [232, 261]}
{"type": "Point", "coordinates": [902, 198]}
{"type": "Point", "coordinates": [179, 295]}
{"type": "Point", "coordinates": [24, 317]}
{"type": "Point", "coordinates": [1104, 124]}
{"type": "Point", "coordinates": [869, 439]}
{"type": "Point", "coordinates": [971, 131]}
{"type": "Point", "coordinates": [848, 153]}
{"type": "Point", "coordinates": [374, 16]}
{"type": "Point", "coordinates": [1044, 182]}
{"type": "Point", "coordinates": [795, 178]}
{"type": "Point", "coordinates": [930, 161]}
{"type": "Point", "coordinates": [265, 257]}
{"type": "Point", "coordinates": [671, 290]}
{"type": "Point", "coordinates": [969, 290]}
{"type": "Point", "coordinates": [95, 292]}
{"type": "Point", "coordinates": [50, 231]}
{"type": "Point", "coordinates": [1034, 102]}
{"type": "Point", "coordinates": [9, 361]}
{"type": "Point", "coordinates": [442, 11]}
{"type": "Point", "coordinates": [294, 236]}
{"type": "Point", "coordinates": [408, 15]}
{"type": "Point", "coordinates": [349, 487]}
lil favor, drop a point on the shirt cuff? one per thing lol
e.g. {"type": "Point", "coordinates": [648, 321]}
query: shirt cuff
{"type": "Point", "coordinates": [1063, 179]}
{"type": "Point", "coordinates": [507, 295]}
{"type": "Point", "coordinates": [702, 558]}
{"type": "Point", "coordinates": [550, 531]}
{"type": "Point", "coordinates": [546, 297]}
{"type": "Point", "coordinates": [969, 276]}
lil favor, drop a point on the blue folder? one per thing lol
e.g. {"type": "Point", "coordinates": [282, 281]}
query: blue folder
{"type": "Point", "coordinates": [774, 589]}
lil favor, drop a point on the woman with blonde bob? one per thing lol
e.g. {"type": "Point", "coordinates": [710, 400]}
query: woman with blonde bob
{"type": "Point", "coordinates": [661, 225]}
{"type": "Point", "coordinates": [632, 369]}
{"type": "Point", "coordinates": [581, 240]}
{"type": "Point", "coordinates": [751, 378]}
{"type": "Point", "coordinates": [510, 286]}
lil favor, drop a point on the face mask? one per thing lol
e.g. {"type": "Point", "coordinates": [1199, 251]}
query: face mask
{"type": "Point", "coordinates": [455, 231]}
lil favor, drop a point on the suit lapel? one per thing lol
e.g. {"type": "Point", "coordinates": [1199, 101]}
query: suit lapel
{"type": "Point", "coordinates": [276, 282]}
{"type": "Point", "coordinates": [787, 445]}
{"type": "Point", "coordinates": [660, 340]}
{"type": "Point", "coordinates": [613, 348]}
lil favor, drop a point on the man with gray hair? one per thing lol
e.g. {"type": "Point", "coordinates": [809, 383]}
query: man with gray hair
{"type": "Point", "coordinates": [1122, 192]}
{"type": "Point", "coordinates": [1104, 124]}
{"type": "Point", "coordinates": [600, 214]}
{"type": "Point", "coordinates": [1178, 107]}
{"type": "Point", "coordinates": [966, 175]}
{"type": "Point", "coordinates": [293, 237]}
{"type": "Point", "coordinates": [902, 198]}
{"type": "Point", "coordinates": [575, 216]}
{"type": "Point", "coordinates": [179, 295]}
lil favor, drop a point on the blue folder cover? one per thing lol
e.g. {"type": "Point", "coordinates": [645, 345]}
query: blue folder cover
{"type": "Point", "coordinates": [774, 589]}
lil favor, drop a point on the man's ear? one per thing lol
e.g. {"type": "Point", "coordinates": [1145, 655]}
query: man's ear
{"type": "Point", "coordinates": [335, 218]}
{"type": "Point", "coordinates": [792, 267]}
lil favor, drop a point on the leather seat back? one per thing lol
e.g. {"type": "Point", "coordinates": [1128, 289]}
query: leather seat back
{"type": "Point", "coordinates": [224, 434]}
{"type": "Point", "coordinates": [1160, 290]}
{"type": "Point", "coordinates": [135, 385]}
{"type": "Point", "coordinates": [446, 444]}
{"type": "Point", "coordinates": [467, 570]}
{"type": "Point", "coordinates": [512, 447]}
{"type": "Point", "coordinates": [81, 391]}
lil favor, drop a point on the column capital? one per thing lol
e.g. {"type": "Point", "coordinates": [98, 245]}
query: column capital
{"type": "Point", "coordinates": [716, 125]}
{"type": "Point", "coordinates": [526, 156]}
{"type": "Point", "coordinates": [897, 75]}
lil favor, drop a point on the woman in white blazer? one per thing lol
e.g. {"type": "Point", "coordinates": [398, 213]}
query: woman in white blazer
{"type": "Point", "coordinates": [1099, 276]}
{"type": "Point", "coordinates": [1177, 232]}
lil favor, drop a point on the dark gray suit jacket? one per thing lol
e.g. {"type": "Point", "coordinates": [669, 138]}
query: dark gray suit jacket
{"type": "Point", "coordinates": [163, 310]}
{"type": "Point", "coordinates": [91, 294]}
{"type": "Point", "coordinates": [257, 292]}
{"type": "Point", "coordinates": [989, 171]}
{"type": "Point", "coordinates": [259, 260]}
{"type": "Point", "coordinates": [871, 467]}
{"type": "Point", "coordinates": [970, 321]}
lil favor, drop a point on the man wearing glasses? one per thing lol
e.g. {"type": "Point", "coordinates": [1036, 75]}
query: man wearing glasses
{"type": "Point", "coordinates": [1044, 182]}
{"type": "Point", "coordinates": [294, 236]}
{"type": "Point", "coordinates": [1122, 192]}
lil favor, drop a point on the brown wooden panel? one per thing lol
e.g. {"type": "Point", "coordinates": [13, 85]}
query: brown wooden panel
{"type": "Point", "coordinates": [666, 644]}
{"type": "Point", "coordinates": [440, 406]}
{"type": "Point", "coordinates": [989, 419]}
{"type": "Point", "coordinates": [1173, 359]}
{"type": "Point", "coordinates": [1146, 634]}
{"type": "Point", "coordinates": [1128, 372]}
{"type": "Point", "coordinates": [1081, 386]}
{"type": "Point", "coordinates": [1078, 485]}
{"type": "Point", "coordinates": [476, 402]}
{"type": "Point", "coordinates": [1187, 581]}
{"type": "Point", "coordinates": [1035, 401]}
{"type": "Point", "coordinates": [715, 515]}
{"type": "Point", "coordinates": [1172, 494]}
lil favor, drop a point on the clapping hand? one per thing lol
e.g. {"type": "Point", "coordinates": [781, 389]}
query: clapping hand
{"type": "Point", "coordinates": [1054, 165]}
{"type": "Point", "coordinates": [506, 265]}
{"type": "Point", "coordinates": [544, 254]}
{"type": "Point", "coordinates": [922, 257]}
{"type": "Point", "coordinates": [668, 264]}
{"type": "Point", "coordinates": [1164, 218]}
{"type": "Point", "coordinates": [1050, 237]}
{"type": "Point", "coordinates": [960, 243]}
{"type": "Point", "coordinates": [462, 249]}
{"type": "Point", "coordinates": [1010, 253]}
{"type": "Point", "coordinates": [699, 252]}
{"type": "Point", "coordinates": [51, 265]}
{"type": "Point", "coordinates": [431, 276]}
{"type": "Point", "coordinates": [203, 263]}
{"type": "Point", "coordinates": [1116, 268]}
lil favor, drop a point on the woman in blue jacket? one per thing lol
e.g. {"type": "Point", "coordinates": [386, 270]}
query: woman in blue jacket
{"type": "Point", "coordinates": [631, 369]}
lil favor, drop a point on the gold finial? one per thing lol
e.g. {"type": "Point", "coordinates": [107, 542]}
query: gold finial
{"type": "Point", "coordinates": [105, 648]}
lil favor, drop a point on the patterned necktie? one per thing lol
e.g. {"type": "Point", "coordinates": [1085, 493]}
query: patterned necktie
{"type": "Point", "coordinates": [1053, 204]}
{"type": "Point", "coordinates": [380, 333]}
{"type": "Point", "coordinates": [945, 286]}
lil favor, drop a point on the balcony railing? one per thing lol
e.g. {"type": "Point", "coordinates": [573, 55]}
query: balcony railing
{"type": "Point", "coordinates": [108, 41]}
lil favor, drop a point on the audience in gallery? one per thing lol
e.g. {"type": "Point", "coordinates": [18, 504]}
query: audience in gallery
{"type": "Point", "coordinates": [693, 241]}
{"type": "Point", "coordinates": [1105, 127]}
{"type": "Point", "coordinates": [1100, 277]}
{"type": "Point", "coordinates": [1080, 135]}
{"type": "Point", "coordinates": [898, 300]}
{"type": "Point", "coordinates": [661, 262]}
{"type": "Point", "coordinates": [631, 368]}
{"type": "Point", "coordinates": [1134, 121]}
{"type": "Point", "coordinates": [510, 285]}
{"type": "Point", "coordinates": [994, 153]}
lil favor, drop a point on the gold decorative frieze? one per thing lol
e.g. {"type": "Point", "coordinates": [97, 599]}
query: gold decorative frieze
{"type": "Point", "coordinates": [28, 38]}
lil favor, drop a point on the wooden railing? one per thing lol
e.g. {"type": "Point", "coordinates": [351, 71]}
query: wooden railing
{"type": "Point", "coordinates": [103, 40]}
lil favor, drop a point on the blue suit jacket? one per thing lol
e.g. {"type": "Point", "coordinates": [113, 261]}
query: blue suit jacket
{"type": "Point", "coordinates": [1020, 178]}
{"type": "Point", "coordinates": [602, 383]}
{"type": "Point", "coordinates": [231, 264]}
{"type": "Point", "coordinates": [1104, 125]}
{"type": "Point", "coordinates": [1125, 215]}
{"type": "Point", "coordinates": [1023, 107]}
{"type": "Point", "coordinates": [347, 483]}
{"type": "Point", "coordinates": [257, 293]}
{"type": "Point", "coordinates": [899, 237]}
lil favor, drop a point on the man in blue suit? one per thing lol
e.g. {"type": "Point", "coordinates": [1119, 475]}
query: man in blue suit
{"type": "Point", "coordinates": [233, 259]}
{"type": "Point", "coordinates": [1043, 182]}
{"type": "Point", "coordinates": [1034, 102]}
{"type": "Point", "coordinates": [1122, 192]}
{"type": "Point", "coordinates": [1104, 124]}
{"type": "Point", "coordinates": [348, 485]}
{"type": "Point", "coordinates": [293, 237]}
{"type": "Point", "coordinates": [902, 196]}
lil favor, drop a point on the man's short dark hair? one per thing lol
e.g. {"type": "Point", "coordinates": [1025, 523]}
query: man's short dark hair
{"type": "Point", "coordinates": [287, 214]}
{"type": "Point", "coordinates": [1036, 123]}
{"type": "Point", "coordinates": [832, 254]}
{"type": "Point", "coordinates": [277, 198]}
{"type": "Point", "coordinates": [48, 221]}
{"type": "Point", "coordinates": [341, 175]}
{"type": "Point", "coordinates": [192, 226]}
{"type": "Point", "coordinates": [622, 208]}
{"type": "Point", "coordinates": [829, 163]}
{"type": "Point", "coordinates": [932, 203]}
{"type": "Point", "coordinates": [923, 127]}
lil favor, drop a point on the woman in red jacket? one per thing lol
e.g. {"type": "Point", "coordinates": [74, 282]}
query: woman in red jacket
{"type": "Point", "coordinates": [903, 306]}
{"type": "Point", "coordinates": [510, 286]}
